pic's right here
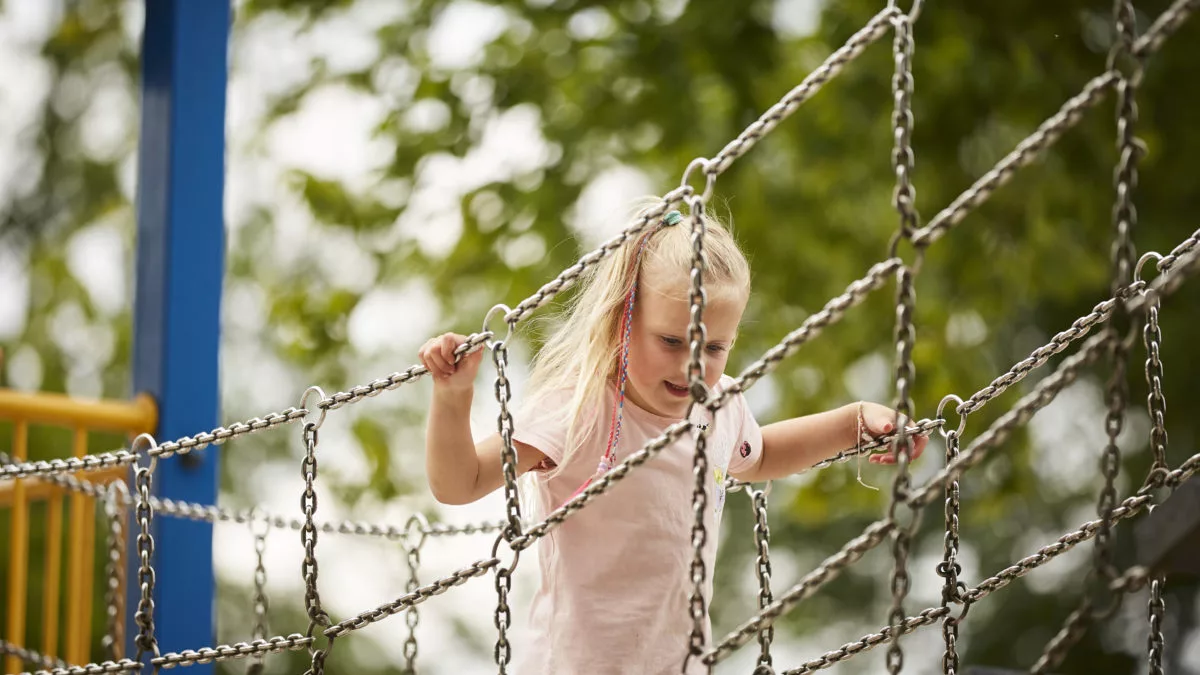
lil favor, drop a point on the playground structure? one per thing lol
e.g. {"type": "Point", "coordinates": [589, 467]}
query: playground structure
{"type": "Point", "coordinates": [158, 546]}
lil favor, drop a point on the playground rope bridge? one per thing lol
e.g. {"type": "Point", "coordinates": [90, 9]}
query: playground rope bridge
{"type": "Point", "coordinates": [1133, 296]}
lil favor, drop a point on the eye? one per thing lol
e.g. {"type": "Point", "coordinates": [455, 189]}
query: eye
{"type": "Point", "coordinates": [716, 349]}
{"type": "Point", "coordinates": [670, 341]}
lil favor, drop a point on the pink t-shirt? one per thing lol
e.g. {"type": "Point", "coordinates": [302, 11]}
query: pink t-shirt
{"type": "Point", "coordinates": [614, 587]}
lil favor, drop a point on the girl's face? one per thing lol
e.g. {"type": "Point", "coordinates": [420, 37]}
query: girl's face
{"type": "Point", "coordinates": [659, 349]}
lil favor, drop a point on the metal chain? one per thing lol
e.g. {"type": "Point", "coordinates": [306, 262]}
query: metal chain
{"type": "Point", "coordinates": [902, 451]}
{"type": "Point", "coordinates": [31, 656]}
{"type": "Point", "coordinates": [412, 615]}
{"type": "Point", "coordinates": [502, 618]}
{"type": "Point", "coordinates": [827, 571]}
{"type": "Point", "coordinates": [697, 339]}
{"type": "Point", "coordinates": [261, 604]}
{"type": "Point", "coordinates": [1067, 636]}
{"type": "Point", "coordinates": [832, 312]}
{"type": "Point", "coordinates": [762, 565]}
{"type": "Point", "coordinates": [308, 533]}
{"type": "Point", "coordinates": [318, 658]}
{"type": "Point", "coordinates": [1133, 579]}
{"type": "Point", "coordinates": [904, 194]}
{"type": "Point", "coordinates": [1039, 397]}
{"type": "Point", "coordinates": [238, 650]}
{"type": "Point", "coordinates": [868, 642]}
{"type": "Point", "coordinates": [122, 666]}
{"type": "Point", "coordinates": [219, 435]}
{"type": "Point", "coordinates": [416, 597]}
{"type": "Point", "coordinates": [949, 569]}
{"type": "Point", "coordinates": [115, 497]}
{"type": "Point", "coordinates": [1156, 402]}
{"type": "Point", "coordinates": [508, 453]}
{"type": "Point", "coordinates": [876, 532]}
{"type": "Point", "coordinates": [144, 514]}
{"type": "Point", "coordinates": [1154, 643]}
{"type": "Point", "coordinates": [876, 28]}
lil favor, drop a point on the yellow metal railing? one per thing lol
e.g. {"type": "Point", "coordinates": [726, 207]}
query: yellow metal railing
{"type": "Point", "coordinates": [81, 417]}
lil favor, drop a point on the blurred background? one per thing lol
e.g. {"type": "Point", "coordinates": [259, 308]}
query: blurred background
{"type": "Point", "coordinates": [396, 167]}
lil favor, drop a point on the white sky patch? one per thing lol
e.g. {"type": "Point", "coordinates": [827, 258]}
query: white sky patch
{"type": "Point", "coordinates": [511, 146]}
{"type": "Point", "coordinates": [14, 301]}
{"type": "Point", "coordinates": [110, 120]}
{"type": "Point", "coordinates": [966, 329]}
{"type": "Point", "coordinates": [23, 26]}
{"type": "Point", "coordinates": [796, 18]}
{"type": "Point", "coordinates": [867, 378]}
{"type": "Point", "coordinates": [345, 40]}
{"type": "Point", "coordinates": [604, 205]}
{"type": "Point", "coordinates": [331, 136]}
{"type": "Point", "coordinates": [1068, 437]}
{"type": "Point", "coordinates": [395, 320]}
{"type": "Point", "coordinates": [460, 32]}
{"type": "Point", "coordinates": [24, 369]}
{"type": "Point", "coordinates": [98, 259]}
{"type": "Point", "coordinates": [343, 261]}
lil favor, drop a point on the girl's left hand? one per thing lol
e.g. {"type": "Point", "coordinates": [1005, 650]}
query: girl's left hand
{"type": "Point", "coordinates": [878, 420]}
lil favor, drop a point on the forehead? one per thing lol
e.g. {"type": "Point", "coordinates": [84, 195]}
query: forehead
{"type": "Point", "coordinates": [668, 310]}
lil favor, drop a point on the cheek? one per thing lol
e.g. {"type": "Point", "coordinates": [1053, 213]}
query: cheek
{"type": "Point", "coordinates": [714, 368]}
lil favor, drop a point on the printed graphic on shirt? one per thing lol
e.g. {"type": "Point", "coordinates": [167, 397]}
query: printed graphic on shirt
{"type": "Point", "coordinates": [745, 449]}
{"type": "Point", "coordinates": [719, 492]}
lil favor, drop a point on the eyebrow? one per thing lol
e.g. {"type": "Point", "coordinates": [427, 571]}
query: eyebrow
{"type": "Point", "coordinates": [724, 343]}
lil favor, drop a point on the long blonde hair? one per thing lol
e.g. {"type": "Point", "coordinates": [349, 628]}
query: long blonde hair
{"type": "Point", "coordinates": [581, 355]}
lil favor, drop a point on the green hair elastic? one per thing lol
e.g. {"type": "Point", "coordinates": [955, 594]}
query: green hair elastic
{"type": "Point", "coordinates": [673, 218]}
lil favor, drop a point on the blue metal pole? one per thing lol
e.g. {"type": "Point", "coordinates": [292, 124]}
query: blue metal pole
{"type": "Point", "coordinates": [180, 267]}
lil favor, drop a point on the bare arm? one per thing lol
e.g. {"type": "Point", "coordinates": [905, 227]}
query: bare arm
{"type": "Point", "coordinates": [459, 470]}
{"type": "Point", "coordinates": [793, 445]}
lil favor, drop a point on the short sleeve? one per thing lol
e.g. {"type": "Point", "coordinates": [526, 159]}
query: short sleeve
{"type": "Point", "coordinates": [543, 422]}
{"type": "Point", "coordinates": [748, 451]}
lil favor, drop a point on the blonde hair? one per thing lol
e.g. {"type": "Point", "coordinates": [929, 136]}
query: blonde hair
{"type": "Point", "coordinates": [581, 355]}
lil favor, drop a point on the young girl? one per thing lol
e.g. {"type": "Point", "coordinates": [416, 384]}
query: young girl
{"type": "Point", "coordinates": [614, 576]}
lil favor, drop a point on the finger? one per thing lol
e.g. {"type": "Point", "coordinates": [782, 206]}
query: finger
{"type": "Point", "coordinates": [439, 362]}
{"type": "Point", "coordinates": [447, 353]}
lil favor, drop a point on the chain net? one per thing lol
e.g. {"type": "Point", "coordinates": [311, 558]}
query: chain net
{"type": "Point", "coordinates": [1131, 299]}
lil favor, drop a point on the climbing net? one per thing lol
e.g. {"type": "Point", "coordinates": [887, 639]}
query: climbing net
{"type": "Point", "coordinates": [1132, 299]}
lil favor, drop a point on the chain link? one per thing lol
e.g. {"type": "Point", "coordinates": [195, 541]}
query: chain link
{"type": "Point", "coordinates": [122, 666]}
{"type": "Point", "coordinates": [697, 339]}
{"type": "Point", "coordinates": [902, 451]}
{"type": "Point", "coordinates": [116, 496]}
{"type": "Point", "coordinates": [261, 604]}
{"type": "Point", "coordinates": [950, 569]}
{"type": "Point", "coordinates": [502, 618]}
{"type": "Point", "coordinates": [1156, 402]}
{"type": "Point", "coordinates": [1154, 643]}
{"type": "Point", "coordinates": [308, 533]}
{"type": "Point", "coordinates": [221, 434]}
{"type": "Point", "coordinates": [762, 565]}
{"type": "Point", "coordinates": [31, 656]}
{"type": "Point", "coordinates": [904, 195]}
{"type": "Point", "coordinates": [412, 551]}
{"type": "Point", "coordinates": [238, 650]}
{"type": "Point", "coordinates": [146, 641]}
{"type": "Point", "coordinates": [508, 453]}
{"type": "Point", "coordinates": [868, 642]}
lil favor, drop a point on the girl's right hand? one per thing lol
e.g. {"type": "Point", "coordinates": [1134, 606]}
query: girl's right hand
{"type": "Point", "coordinates": [437, 355]}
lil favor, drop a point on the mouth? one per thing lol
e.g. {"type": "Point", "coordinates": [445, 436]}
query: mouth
{"type": "Point", "coordinates": [676, 390]}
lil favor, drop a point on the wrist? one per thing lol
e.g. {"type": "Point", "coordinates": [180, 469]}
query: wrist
{"type": "Point", "coordinates": [454, 398]}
